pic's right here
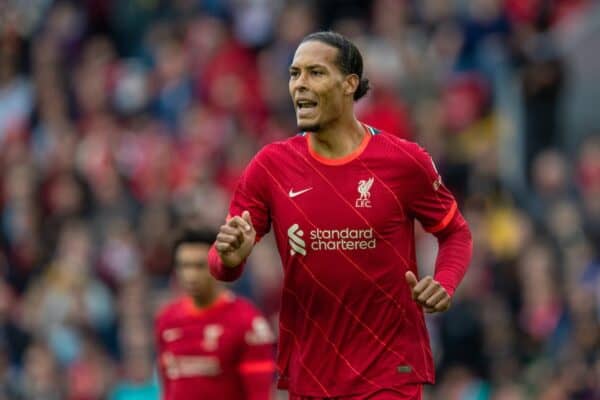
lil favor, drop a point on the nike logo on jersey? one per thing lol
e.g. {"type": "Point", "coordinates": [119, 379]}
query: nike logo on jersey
{"type": "Point", "coordinates": [170, 335]}
{"type": "Point", "coordinates": [299, 192]}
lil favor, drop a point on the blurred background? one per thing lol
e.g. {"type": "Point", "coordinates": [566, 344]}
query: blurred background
{"type": "Point", "coordinates": [122, 120]}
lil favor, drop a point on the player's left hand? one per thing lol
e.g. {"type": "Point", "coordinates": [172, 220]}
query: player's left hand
{"type": "Point", "coordinates": [428, 293]}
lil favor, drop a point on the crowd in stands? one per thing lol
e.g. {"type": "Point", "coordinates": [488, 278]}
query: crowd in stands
{"type": "Point", "coordinates": [122, 121]}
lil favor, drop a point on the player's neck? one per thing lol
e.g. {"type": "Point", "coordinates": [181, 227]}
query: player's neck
{"type": "Point", "coordinates": [208, 298]}
{"type": "Point", "coordinates": [338, 140]}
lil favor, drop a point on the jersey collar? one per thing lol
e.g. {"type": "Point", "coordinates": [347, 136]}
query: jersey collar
{"type": "Point", "coordinates": [369, 132]}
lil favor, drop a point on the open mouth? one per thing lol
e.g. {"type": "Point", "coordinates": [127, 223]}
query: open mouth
{"type": "Point", "coordinates": [305, 107]}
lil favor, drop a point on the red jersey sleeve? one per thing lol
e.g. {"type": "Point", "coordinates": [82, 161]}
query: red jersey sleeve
{"type": "Point", "coordinates": [256, 365]}
{"type": "Point", "coordinates": [454, 254]}
{"type": "Point", "coordinates": [435, 207]}
{"type": "Point", "coordinates": [252, 194]}
{"type": "Point", "coordinates": [428, 199]}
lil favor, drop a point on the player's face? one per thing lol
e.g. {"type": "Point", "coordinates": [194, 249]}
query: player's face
{"type": "Point", "coordinates": [192, 269]}
{"type": "Point", "coordinates": [316, 86]}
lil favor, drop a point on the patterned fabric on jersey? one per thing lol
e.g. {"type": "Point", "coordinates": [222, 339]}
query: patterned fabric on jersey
{"type": "Point", "coordinates": [345, 232]}
{"type": "Point", "coordinates": [222, 352]}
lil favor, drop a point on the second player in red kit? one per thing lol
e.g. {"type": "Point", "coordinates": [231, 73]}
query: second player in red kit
{"type": "Point", "coordinates": [211, 343]}
{"type": "Point", "coordinates": [342, 199]}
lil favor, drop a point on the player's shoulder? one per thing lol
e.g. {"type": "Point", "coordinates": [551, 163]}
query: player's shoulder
{"type": "Point", "coordinates": [169, 311]}
{"type": "Point", "coordinates": [389, 139]}
{"type": "Point", "coordinates": [242, 306]}
{"type": "Point", "coordinates": [281, 148]}
{"type": "Point", "coordinates": [401, 149]}
{"type": "Point", "coordinates": [243, 310]}
{"type": "Point", "coordinates": [253, 323]}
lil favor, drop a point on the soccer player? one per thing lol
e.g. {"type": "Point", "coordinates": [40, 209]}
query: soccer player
{"type": "Point", "coordinates": [342, 198]}
{"type": "Point", "coordinates": [211, 343]}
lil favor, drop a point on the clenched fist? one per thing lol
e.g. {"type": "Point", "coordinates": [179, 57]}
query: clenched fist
{"type": "Point", "coordinates": [428, 293]}
{"type": "Point", "coordinates": [235, 240]}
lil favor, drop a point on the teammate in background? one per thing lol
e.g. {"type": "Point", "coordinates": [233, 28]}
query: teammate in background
{"type": "Point", "coordinates": [211, 343]}
{"type": "Point", "coordinates": [342, 198]}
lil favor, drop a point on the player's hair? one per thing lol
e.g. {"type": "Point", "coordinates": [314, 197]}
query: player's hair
{"type": "Point", "coordinates": [349, 59]}
{"type": "Point", "coordinates": [192, 236]}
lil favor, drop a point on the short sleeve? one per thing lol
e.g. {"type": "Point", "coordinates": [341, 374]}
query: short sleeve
{"type": "Point", "coordinates": [428, 199]}
{"type": "Point", "coordinates": [252, 193]}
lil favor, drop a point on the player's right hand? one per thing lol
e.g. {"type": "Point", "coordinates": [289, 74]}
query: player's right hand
{"type": "Point", "coordinates": [235, 240]}
{"type": "Point", "coordinates": [428, 293]}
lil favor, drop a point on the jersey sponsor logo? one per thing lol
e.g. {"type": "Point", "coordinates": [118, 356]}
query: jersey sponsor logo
{"type": "Point", "coordinates": [260, 334]}
{"type": "Point", "coordinates": [364, 187]}
{"type": "Point", "coordinates": [331, 239]}
{"type": "Point", "coordinates": [297, 244]}
{"type": "Point", "coordinates": [293, 194]}
{"type": "Point", "coordinates": [342, 239]}
{"type": "Point", "coordinates": [182, 366]}
{"type": "Point", "coordinates": [212, 333]}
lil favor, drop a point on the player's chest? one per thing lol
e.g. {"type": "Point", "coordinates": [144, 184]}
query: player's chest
{"type": "Point", "coordinates": [337, 197]}
{"type": "Point", "coordinates": [209, 339]}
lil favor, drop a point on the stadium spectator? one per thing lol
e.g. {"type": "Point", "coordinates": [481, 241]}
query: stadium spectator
{"type": "Point", "coordinates": [82, 138]}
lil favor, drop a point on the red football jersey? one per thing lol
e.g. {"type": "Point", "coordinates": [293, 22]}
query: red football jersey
{"type": "Point", "coordinates": [222, 352]}
{"type": "Point", "coordinates": [345, 232]}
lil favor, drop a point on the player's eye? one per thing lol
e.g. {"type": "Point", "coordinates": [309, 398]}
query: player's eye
{"type": "Point", "coordinates": [192, 264]}
{"type": "Point", "coordinates": [316, 73]}
{"type": "Point", "coordinates": [294, 73]}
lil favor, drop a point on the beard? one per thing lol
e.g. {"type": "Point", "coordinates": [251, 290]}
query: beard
{"type": "Point", "coordinates": [308, 127]}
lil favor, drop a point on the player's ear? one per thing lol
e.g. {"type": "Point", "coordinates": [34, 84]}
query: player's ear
{"type": "Point", "coordinates": [351, 82]}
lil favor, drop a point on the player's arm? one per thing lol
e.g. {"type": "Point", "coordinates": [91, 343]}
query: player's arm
{"type": "Point", "coordinates": [256, 366]}
{"type": "Point", "coordinates": [434, 294]}
{"type": "Point", "coordinates": [435, 207]}
{"type": "Point", "coordinates": [248, 222]}
{"type": "Point", "coordinates": [160, 365]}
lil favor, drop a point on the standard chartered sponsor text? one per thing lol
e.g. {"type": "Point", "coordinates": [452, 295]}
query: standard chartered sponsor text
{"type": "Point", "coordinates": [342, 239]}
